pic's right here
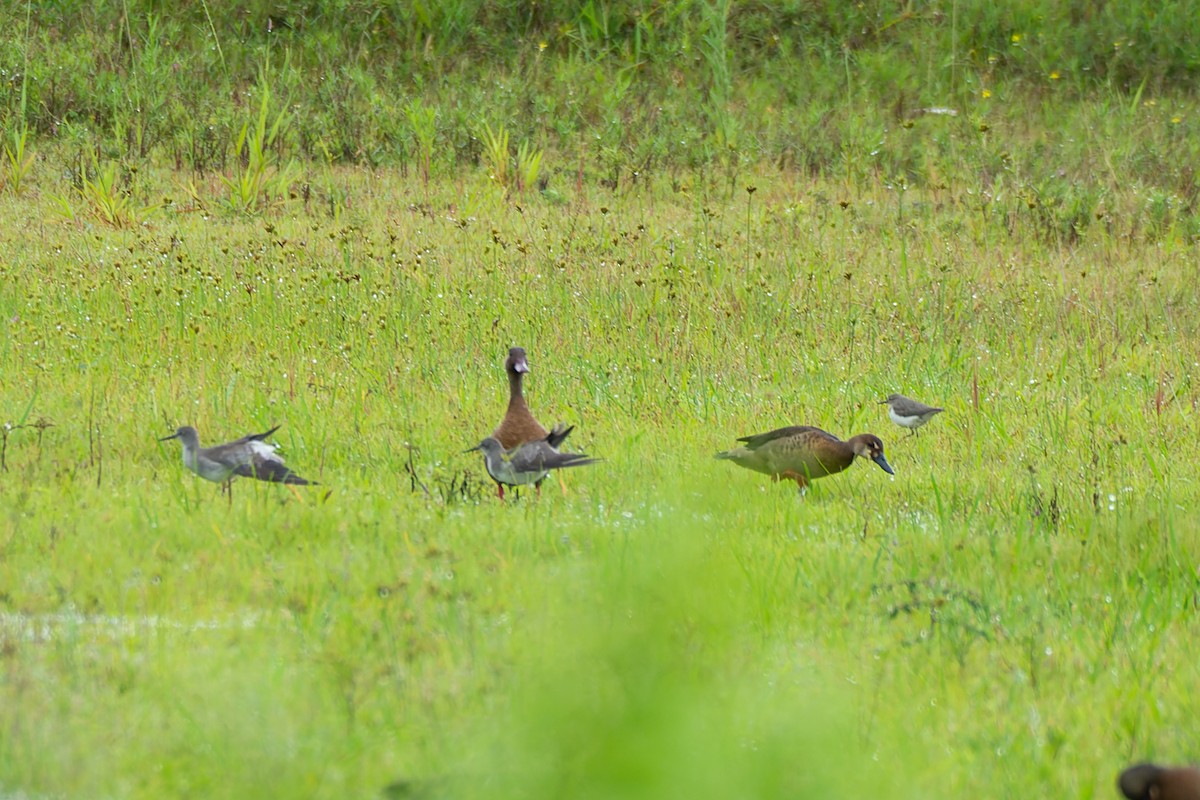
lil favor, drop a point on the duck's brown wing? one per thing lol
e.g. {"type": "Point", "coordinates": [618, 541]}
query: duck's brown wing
{"type": "Point", "coordinates": [797, 431]}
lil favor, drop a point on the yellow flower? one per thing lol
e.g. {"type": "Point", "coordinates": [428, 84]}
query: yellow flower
{"type": "Point", "coordinates": [1053, 76]}
{"type": "Point", "coordinates": [987, 93]}
{"type": "Point", "coordinates": [542, 45]}
{"type": "Point", "coordinates": [1176, 119]}
{"type": "Point", "coordinates": [1016, 37]}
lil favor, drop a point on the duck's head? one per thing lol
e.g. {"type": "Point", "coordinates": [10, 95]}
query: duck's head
{"type": "Point", "coordinates": [516, 363]}
{"type": "Point", "coordinates": [868, 445]}
{"type": "Point", "coordinates": [1138, 780]}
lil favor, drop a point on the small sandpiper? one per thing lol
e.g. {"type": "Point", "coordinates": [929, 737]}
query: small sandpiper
{"type": "Point", "coordinates": [248, 457]}
{"type": "Point", "coordinates": [908, 413]}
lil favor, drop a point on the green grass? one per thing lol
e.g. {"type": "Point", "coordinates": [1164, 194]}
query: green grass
{"type": "Point", "coordinates": [702, 221]}
{"type": "Point", "coordinates": [1011, 614]}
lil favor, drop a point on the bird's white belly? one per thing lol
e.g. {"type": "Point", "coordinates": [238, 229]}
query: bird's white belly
{"type": "Point", "coordinates": [208, 469]}
{"type": "Point", "coordinates": [906, 422]}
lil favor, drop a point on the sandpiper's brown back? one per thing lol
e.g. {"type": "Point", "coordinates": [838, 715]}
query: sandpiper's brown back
{"type": "Point", "coordinates": [519, 425]}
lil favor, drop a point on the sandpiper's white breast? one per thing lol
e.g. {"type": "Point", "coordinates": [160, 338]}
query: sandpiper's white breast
{"type": "Point", "coordinates": [907, 422]}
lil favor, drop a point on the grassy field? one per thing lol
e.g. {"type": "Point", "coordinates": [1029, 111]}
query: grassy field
{"type": "Point", "coordinates": [702, 222]}
{"type": "Point", "coordinates": [1011, 614]}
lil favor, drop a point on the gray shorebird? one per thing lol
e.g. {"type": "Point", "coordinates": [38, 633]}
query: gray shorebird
{"type": "Point", "coordinates": [803, 453]}
{"type": "Point", "coordinates": [248, 457]}
{"type": "Point", "coordinates": [908, 413]}
{"type": "Point", "coordinates": [527, 463]}
{"type": "Point", "coordinates": [1152, 782]}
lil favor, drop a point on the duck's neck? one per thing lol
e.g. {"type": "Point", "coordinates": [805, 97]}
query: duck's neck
{"type": "Point", "coordinates": [516, 399]}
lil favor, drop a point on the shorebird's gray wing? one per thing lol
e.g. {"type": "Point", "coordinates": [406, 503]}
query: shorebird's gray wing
{"type": "Point", "coordinates": [907, 407]}
{"type": "Point", "coordinates": [540, 456]}
{"type": "Point", "coordinates": [258, 460]}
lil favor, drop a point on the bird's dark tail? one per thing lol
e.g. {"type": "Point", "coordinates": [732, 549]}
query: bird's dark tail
{"type": "Point", "coordinates": [559, 434]}
{"type": "Point", "coordinates": [273, 472]}
{"type": "Point", "coordinates": [576, 460]}
{"type": "Point", "coordinates": [258, 437]}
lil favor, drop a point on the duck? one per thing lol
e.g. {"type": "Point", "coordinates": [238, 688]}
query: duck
{"type": "Point", "coordinates": [909, 413]}
{"type": "Point", "coordinates": [526, 463]}
{"type": "Point", "coordinates": [249, 457]}
{"type": "Point", "coordinates": [1152, 782]}
{"type": "Point", "coordinates": [803, 453]}
{"type": "Point", "coordinates": [519, 425]}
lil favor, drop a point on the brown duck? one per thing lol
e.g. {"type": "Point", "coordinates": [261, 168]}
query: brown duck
{"type": "Point", "coordinates": [802, 453]}
{"type": "Point", "coordinates": [519, 425]}
{"type": "Point", "coordinates": [1152, 782]}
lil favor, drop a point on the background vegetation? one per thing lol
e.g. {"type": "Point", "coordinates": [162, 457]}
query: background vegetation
{"type": "Point", "coordinates": [703, 220]}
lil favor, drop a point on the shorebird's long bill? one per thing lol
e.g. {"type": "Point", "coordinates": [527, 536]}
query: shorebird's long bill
{"type": "Point", "coordinates": [169, 438]}
{"type": "Point", "coordinates": [473, 449]}
{"type": "Point", "coordinates": [882, 462]}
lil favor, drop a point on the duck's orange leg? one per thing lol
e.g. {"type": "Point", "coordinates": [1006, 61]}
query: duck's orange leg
{"type": "Point", "coordinates": [791, 475]}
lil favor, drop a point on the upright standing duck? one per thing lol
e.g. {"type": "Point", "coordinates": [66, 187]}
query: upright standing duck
{"type": "Point", "coordinates": [519, 425]}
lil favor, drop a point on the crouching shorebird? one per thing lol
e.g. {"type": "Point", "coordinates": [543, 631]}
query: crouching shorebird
{"type": "Point", "coordinates": [802, 453]}
{"type": "Point", "coordinates": [527, 463]}
{"type": "Point", "coordinates": [908, 413]}
{"type": "Point", "coordinates": [1152, 782]}
{"type": "Point", "coordinates": [248, 457]}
